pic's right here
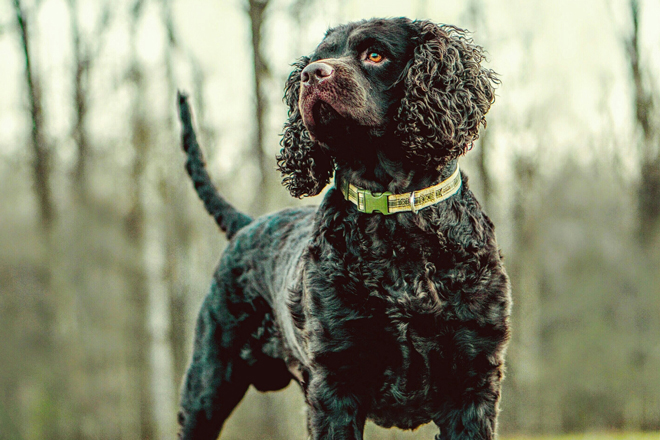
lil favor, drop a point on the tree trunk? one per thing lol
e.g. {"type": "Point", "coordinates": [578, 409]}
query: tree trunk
{"type": "Point", "coordinates": [484, 170]}
{"type": "Point", "coordinates": [163, 393]}
{"type": "Point", "coordinates": [648, 195]}
{"type": "Point", "coordinates": [42, 159]}
{"type": "Point", "coordinates": [84, 384]}
{"type": "Point", "coordinates": [648, 203]}
{"type": "Point", "coordinates": [137, 337]}
{"type": "Point", "coordinates": [179, 228]}
{"type": "Point", "coordinates": [257, 10]}
{"type": "Point", "coordinates": [475, 14]}
{"type": "Point", "coordinates": [44, 413]}
{"type": "Point", "coordinates": [525, 359]}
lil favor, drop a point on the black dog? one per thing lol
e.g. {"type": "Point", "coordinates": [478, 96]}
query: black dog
{"type": "Point", "coordinates": [389, 302]}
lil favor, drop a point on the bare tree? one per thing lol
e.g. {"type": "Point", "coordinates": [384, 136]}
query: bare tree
{"type": "Point", "coordinates": [152, 350]}
{"type": "Point", "coordinates": [646, 117]}
{"type": "Point", "coordinates": [51, 383]}
{"type": "Point", "coordinates": [180, 228]}
{"type": "Point", "coordinates": [82, 63]}
{"type": "Point", "coordinates": [525, 359]}
{"type": "Point", "coordinates": [648, 202]}
{"type": "Point", "coordinates": [475, 15]}
{"type": "Point", "coordinates": [84, 384]}
{"type": "Point", "coordinates": [257, 13]}
{"type": "Point", "coordinates": [84, 55]}
{"type": "Point", "coordinates": [137, 336]}
{"type": "Point", "coordinates": [39, 144]}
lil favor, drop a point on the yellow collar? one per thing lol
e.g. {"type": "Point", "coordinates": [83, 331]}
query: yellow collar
{"type": "Point", "coordinates": [387, 203]}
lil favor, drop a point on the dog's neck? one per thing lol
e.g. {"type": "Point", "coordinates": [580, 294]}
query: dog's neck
{"type": "Point", "coordinates": [381, 173]}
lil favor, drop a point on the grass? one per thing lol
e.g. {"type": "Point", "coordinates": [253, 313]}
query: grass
{"type": "Point", "coordinates": [428, 431]}
{"type": "Point", "coordinates": [593, 436]}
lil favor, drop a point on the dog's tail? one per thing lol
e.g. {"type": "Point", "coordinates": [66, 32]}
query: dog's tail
{"type": "Point", "coordinates": [226, 216]}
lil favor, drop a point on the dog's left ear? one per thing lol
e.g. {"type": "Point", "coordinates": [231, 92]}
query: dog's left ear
{"type": "Point", "coordinates": [305, 165]}
{"type": "Point", "coordinates": [446, 95]}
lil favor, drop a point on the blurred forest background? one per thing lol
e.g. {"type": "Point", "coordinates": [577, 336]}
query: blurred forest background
{"type": "Point", "coordinates": [106, 254]}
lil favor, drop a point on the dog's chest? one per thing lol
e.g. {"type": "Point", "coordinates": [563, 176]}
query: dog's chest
{"type": "Point", "coordinates": [384, 320]}
{"type": "Point", "coordinates": [398, 316]}
{"type": "Point", "coordinates": [415, 380]}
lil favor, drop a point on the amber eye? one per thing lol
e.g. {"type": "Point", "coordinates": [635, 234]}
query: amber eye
{"type": "Point", "coordinates": [375, 57]}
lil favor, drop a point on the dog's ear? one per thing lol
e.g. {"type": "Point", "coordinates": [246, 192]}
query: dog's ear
{"type": "Point", "coordinates": [447, 94]}
{"type": "Point", "coordinates": [305, 165]}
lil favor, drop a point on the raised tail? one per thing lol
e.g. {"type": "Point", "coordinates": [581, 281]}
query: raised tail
{"type": "Point", "coordinates": [226, 216]}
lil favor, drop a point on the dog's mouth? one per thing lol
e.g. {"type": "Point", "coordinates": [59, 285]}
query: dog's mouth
{"type": "Point", "coordinates": [319, 116]}
{"type": "Point", "coordinates": [325, 117]}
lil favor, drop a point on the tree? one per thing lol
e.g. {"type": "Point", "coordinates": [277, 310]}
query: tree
{"type": "Point", "coordinates": [257, 13]}
{"type": "Point", "coordinates": [648, 200]}
{"type": "Point", "coordinates": [525, 272]}
{"type": "Point", "coordinates": [85, 52]}
{"type": "Point", "coordinates": [51, 385]}
{"type": "Point", "coordinates": [39, 144]}
{"type": "Point", "coordinates": [647, 122]}
{"type": "Point", "coordinates": [475, 15]}
{"type": "Point", "coordinates": [137, 336]}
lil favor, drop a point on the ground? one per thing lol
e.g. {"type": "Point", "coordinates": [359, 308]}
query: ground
{"type": "Point", "coordinates": [593, 436]}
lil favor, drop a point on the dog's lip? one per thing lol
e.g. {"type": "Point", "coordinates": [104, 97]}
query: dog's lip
{"type": "Point", "coordinates": [306, 105]}
{"type": "Point", "coordinates": [345, 107]}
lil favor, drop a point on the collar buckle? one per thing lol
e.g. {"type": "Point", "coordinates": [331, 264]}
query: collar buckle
{"type": "Point", "coordinates": [369, 202]}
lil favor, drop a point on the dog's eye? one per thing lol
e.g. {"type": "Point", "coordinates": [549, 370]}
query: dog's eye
{"type": "Point", "coordinates": [375, 57]}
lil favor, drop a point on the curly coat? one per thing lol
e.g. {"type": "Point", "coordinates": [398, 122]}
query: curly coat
{"type": "Point", "coordinates": [400, 319]}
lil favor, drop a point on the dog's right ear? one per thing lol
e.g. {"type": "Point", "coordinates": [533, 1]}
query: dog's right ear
{"type": "Point", "coordinates": [305, 164]}
{"type": "Point", "coordinates": [447, 93]}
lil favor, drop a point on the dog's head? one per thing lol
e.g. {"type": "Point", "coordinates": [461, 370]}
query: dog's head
{"type": "Point", "coordinates": [412, 87]}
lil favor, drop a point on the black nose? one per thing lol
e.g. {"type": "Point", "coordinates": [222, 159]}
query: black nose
{"type": "Point", "coordinates": [314, 73]}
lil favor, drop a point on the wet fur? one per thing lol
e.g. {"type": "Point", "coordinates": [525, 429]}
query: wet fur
{"type": "Point", "coordinates": [400, 319]}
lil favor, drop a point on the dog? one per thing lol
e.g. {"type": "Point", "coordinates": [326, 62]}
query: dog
{"type": "Point", "coordinates": [389, 301]}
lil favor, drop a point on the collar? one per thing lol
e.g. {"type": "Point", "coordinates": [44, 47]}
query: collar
{"type": "Point", "coordinates": [387, 203]}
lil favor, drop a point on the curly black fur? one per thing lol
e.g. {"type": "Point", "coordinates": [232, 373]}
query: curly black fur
{"type": "Point", "coordinates": [306, 167]}
{"type": "Point", "coordinates": [447, 96]}
{"type": "Point", "coordinates": [400, 319]}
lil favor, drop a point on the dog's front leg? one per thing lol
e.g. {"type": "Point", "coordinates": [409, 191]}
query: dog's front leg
{"type": "Point", "coordinates": [476, 418]}
{"type": "Point", "coordinates": [334, 411]}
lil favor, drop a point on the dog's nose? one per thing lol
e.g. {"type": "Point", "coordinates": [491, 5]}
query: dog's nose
{"type": "Point", "coordinates": [314, 73]}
